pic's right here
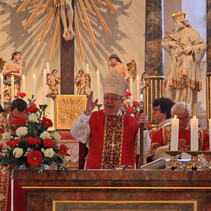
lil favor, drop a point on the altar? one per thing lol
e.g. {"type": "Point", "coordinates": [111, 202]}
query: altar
{"type": "Point", "coordinates": [116, 190]}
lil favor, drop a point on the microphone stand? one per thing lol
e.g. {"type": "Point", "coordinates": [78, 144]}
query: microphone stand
{"type": "Point", "coordinates": [141, 126]}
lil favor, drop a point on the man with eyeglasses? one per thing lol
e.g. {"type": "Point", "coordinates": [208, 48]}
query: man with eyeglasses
{"type": "Point", "coordinates": [160, 140]}
{"type": "Point", "coordinates": [110, 134]}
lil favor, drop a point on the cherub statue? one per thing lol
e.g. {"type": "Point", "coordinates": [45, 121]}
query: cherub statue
{"type": "Point", "coordinates": [53, 82]}
{"type": "Point", "coordinates": [82, 81]}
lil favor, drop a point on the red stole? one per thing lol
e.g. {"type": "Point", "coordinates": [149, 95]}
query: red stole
{"type": "Point", "coordinates": [127, 141]}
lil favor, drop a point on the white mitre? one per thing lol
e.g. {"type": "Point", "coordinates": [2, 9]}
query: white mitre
{"type": "Point", "coordinates": [114, 83]}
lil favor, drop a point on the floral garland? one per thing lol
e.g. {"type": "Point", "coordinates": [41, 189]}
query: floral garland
{"type": "Point", "coordinates": [28, 142]}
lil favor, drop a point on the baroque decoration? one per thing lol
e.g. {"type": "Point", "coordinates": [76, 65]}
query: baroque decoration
{"type": "Point", "coordinates": [80, 15]}
{"type": "Point", "coordinates": [27, 143]}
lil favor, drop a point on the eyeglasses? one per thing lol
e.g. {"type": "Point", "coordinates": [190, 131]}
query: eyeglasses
{"type": "Point", "coordinates": [183, 118]}
{"type": "Point", "coordinates": [113, 99]}
{"type": "Point", "coordinates": [155, 109]}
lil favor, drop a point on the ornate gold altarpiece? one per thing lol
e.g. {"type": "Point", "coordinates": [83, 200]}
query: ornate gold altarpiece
{"type": "Point", "coordinates": [116, 190]}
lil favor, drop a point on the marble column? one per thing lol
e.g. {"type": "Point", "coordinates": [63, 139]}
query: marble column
{"type": "Point", "coordinates": [153, 31]}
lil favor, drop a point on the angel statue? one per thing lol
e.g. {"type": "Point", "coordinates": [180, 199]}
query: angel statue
{"type": "Point", "coordinates": [82, 81]}
{"type": "Point", "coordinates": [53, 82]}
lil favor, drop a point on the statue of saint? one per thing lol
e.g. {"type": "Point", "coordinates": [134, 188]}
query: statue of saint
{"type": "Point", "coordinates": [53, 82]}
{"type": "Point", "coordinates": [15, 69]}
{"type": "Point", "coordinates": [186, 48]}
{"type": "Point", "coordinates": [82, 81]}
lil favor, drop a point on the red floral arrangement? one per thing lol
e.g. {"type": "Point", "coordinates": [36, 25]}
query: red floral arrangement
{"type": "Point", "coordinates": [31, 144]}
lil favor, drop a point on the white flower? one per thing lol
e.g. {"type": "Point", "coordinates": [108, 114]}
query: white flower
{"type": "Point", "coordinates": [33, 118]}
{"type": "Point", "coordinates": [21, 131]}
{"type": "Point", "coordinates": [45, 135]}
{"type": "Point", "coordinates": [6, 136]}
{"type": "Point", "coordinates": [17, 152]}
{"type": "Point", "coordinates": [49, 153]}
{"type": "Point", "coordinates": [55, 136]}
{"type": "Point", "coordinates": [42, 150]}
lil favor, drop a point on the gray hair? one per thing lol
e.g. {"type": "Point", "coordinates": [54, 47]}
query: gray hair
{"type": "Point", "coordinates": [180, 108]}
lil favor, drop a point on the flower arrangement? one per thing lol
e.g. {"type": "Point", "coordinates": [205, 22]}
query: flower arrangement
{"type": "Point", "coordinates": [29, 143]}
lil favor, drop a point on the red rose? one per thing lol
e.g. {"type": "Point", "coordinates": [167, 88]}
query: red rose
{"type": "Point", "coordinates": [49, 143]}
{"type": "Point", "coordinates": [13, 142]}
{"type": "Point", "coordinates": [32, 140]}
{"type": "Point", "coordinates": [135, 103]}
{"type": "Point", "coordinates": [149, 124]}
{"type": "Point", "coordinates": [62, 150]}
{"type": "Point", "coordinates": [32, 104]}
{"type": "Point", "coordinates": [22, 94]}
{"type": "Point", "coordinates": [1, 147]}
{"type": "Point", "coordinates": [130, 110]}
{"type": "Point", "coordinates": [2, 131]}
{"type": "Point", "coordinates": [19, 121]}
{"type": "Point", "coordinates": [127, 94]}
{"type": "Point", "coordinates": [47, 122]}
{"type": "Point", "coordinates": [137, 115]}
{"type": "Point", "coordinates": [34, 158]}
{"type": "Point", "coordinates": [31, 110]}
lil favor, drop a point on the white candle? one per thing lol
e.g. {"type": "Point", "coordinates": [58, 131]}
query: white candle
{"type": "Point", "coordinates": [210, 132]}
{"type": "Point", "coordinates": [87, 68]}
{"type": "Point", "coordinates": [23, 84]}
{"type": "Point", "coordinates": [2, 92]}
{"type": "Point", "coordinates": [131, 88]}
{"type": "Point", "coordinates": [138, 88]}
{"type": "Point", "coordinates": [174, 133]}
{"type": "Point", "coordinates": [34, 82]}
{"type": "Point", "coordinates": [44, 87]}
{"type": "Point", "coordinates": [47, 67]}
{"type": "Point", "coordinates": [194, 134]}
{"type": "Point", "coordinates": [98, 86]}
{"type": "Point", "coordinates": [12, 88]}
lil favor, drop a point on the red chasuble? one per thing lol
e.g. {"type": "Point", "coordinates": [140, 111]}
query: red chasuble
{"type": "Point", "coordinates": [113, 141]}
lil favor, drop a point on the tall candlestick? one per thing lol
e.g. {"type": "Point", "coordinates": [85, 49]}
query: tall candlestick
{"type": "Point", "coordinates": [23, 84]}
{"type": "Point", "coordinates": [47, 67]}
{"type": "Point", "coordinates": [2, 92]}
{"type": "Point", "coordinates": [194, 134]}
{"type": "Point", "coordinates": [98, 86]}
{"type": "Point", "coordinates": [210, 132]}
{"type": "Point", "coordinates": [44, 87]}
{"type": "Point", "coordinates": [174, 133]}
{"type": "Point", "coordinates": [138, 88]}
{"type": "Point", "coordinates": [131, 88]}
{"type": "Point", "coordinates": [12, 88]}
{"type": "Point", "coordinates": [87, 68]}
{"type": "Point", "coordinates": [34, 82]}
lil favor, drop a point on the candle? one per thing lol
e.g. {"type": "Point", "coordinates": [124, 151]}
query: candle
{"type": "Point", "coordinates": [138, 88]}
{"type": "Point", "coordinates": [98, 86]}
{"type": "Point", "coordinates": [34, 82]}
{"type": "Point", "coordinates": [23, 84]}
{"type": "Point", "coordinates": [174, 133]}
{"type": "Point", "coordinates": [12, 88]}
{"type": "Point", "coordinates": [194, 134]}
{"type": "Point", "coordinates": [87, 68]}
{"type": "Point", "coordinates": [210, 132]}
{"type": "Point", "coordinates": [44, 87]}
{"type": "Point", "coordinates": [131, 88]}
{"type": "Point", "coordinates": [2, 92]}
{"type": "Point", "coordinates": [47, 67]}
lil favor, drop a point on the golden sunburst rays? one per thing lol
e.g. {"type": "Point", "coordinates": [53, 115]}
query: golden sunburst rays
{"type": "Point", "coordinates": [81, 19]}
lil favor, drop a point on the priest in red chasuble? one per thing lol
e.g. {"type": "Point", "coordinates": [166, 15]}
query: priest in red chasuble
{"type": "Point", "coordinates": [161, 139]}
{"type": "Point", "coordinates": [111, 135]}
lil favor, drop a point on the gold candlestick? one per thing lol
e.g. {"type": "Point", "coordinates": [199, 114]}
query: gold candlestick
{"type": "Point", "coordinates": [194, 163]}
{"type": "Point", "coordinates": [208, 158]}
{"type": "Point", "coordinates": [99, 106]}
{"type": "Point", "coordinates": [173, 163]}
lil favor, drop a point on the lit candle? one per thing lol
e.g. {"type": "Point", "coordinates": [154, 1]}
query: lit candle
{"type": "Point", "coordinates": [138, 88]}
{"type": "Point", "coordinates": [2, 92]}
{"type": "Point", "coordinates": [98, 86]}
{"type": "Point", "coordinates": [87, 68]}
{"type": "Point", "coordinates": [194, 134]}
{"type": "Point", "coordinates": [47, 67]}
{"type": "Point", "coordinates": [34, 82]}
{"type": "Point", "coordinates": [12, 88]}
{"type": "Point", "coordinates": [131, 88]}
{"type": "Point", "coordinates": [44, 87]}
{"type": "Point", "coordinates": [174, 133]}
{"type": "Point", "coordinates": [23, 84]}
{"type": "Point", "coordinates": [210, 132]}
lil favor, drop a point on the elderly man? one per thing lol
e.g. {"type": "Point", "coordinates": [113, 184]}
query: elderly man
{"type": "Point", "coordinates": [110, 134]}
{"type": "Point", "coordinates": [160, 140]}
